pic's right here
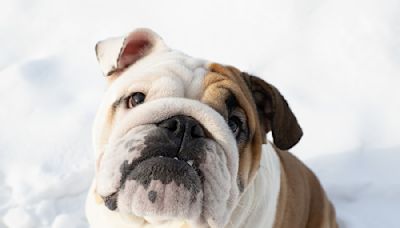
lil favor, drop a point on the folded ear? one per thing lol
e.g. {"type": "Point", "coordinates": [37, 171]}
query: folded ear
{"type": "Point", "coordinates": [116, 54]}
{"type": "Point", "coordinates": [274, 113]}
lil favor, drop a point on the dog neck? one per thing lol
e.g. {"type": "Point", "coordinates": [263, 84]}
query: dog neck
{"type": "Point", "coordinates": [257, 207]}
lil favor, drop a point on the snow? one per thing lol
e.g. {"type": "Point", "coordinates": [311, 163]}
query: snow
{"type": "Point", "coordinates": [336, 61]}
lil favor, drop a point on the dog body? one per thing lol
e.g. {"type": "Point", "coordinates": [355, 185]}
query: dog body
{"type": "Point", "coordinates": [180, 142]}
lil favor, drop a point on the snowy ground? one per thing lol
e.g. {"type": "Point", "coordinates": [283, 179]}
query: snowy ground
{"type": "Point", "coordinates": [337, 62]}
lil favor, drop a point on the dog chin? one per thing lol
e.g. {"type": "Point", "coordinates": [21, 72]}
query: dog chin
{"type": "Point", "coordinates": [162, 187]}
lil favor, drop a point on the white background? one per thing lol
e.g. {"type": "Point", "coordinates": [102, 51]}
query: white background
{"type": "Point", "coordinates": [336, 61]}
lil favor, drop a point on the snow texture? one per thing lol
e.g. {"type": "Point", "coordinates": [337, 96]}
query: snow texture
{"type": "Point", "coordinates": [336, 61]}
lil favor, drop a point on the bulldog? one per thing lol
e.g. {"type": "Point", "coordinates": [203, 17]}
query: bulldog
{"type": "Point", "coordinates": [181, 142]}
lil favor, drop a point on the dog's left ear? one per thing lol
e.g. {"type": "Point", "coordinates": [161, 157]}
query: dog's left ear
{"type": "Point", "coordinates": [116, 54]}
{"type": "Point", "coordinates": [274, 113]}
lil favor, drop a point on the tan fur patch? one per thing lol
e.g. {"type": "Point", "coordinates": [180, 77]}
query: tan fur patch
{"type": "Point", "coordinates": [218, 84]}
{"type": "Point", "coordinates": [302, 201]}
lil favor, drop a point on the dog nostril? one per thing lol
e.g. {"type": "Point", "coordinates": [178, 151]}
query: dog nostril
{"type": "Point", "coordinates": [171, 125]}
{"type": "Point", "coordinates": [197, 131]}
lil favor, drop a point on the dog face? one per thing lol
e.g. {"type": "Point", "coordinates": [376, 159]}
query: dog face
{"type": "Point", "coordinates": [178, 138]}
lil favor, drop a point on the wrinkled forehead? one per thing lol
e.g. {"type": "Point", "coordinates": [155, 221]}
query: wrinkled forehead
{"type": "Point", "coordinates": [170, 73]}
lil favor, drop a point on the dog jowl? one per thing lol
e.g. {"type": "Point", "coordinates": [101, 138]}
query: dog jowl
{"type": "Point", "coordinates": [179, 140]}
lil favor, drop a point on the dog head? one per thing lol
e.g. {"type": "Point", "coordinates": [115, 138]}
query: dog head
{"type": "Point", "coordinates": [178, 138]}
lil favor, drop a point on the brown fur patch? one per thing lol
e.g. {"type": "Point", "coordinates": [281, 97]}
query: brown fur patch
{"type": "Point", "coordinates": [218, 84]}
{"type": "Point", "coordinates": [302, 201]}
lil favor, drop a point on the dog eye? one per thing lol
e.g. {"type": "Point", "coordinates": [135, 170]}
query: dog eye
{"type": "Point", "coordinates": [234, 123]}
{"type": "Point", "coordinates": [135, 99]}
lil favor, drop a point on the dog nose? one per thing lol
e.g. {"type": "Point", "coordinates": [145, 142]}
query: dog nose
{"type": "Point", "coordinates": [183, 127]}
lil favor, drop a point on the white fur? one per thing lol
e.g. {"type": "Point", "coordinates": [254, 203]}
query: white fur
{"type": "Point", "coordinates": [257, 207]}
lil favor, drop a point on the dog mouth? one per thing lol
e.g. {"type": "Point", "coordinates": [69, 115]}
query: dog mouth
{"type": "Point", "coordinates": [161, 168]}
{"type": "Point", "coordinates": [158, 173]}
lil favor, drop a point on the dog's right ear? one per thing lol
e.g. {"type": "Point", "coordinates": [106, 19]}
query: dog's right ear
{"type": "Point", "coordinates": [116, 54]}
